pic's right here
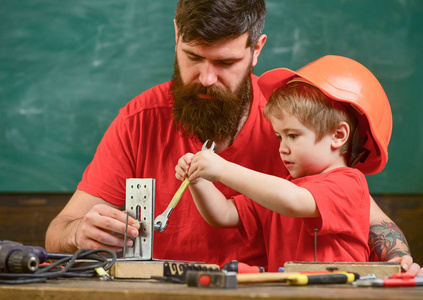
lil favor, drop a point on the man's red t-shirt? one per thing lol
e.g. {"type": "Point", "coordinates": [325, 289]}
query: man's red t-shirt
{"type": "Point", "coordinates": [142, 143]}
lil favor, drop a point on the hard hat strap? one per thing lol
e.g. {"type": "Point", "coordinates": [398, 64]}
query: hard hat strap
{"type": "Point", "coordinates": [358, 152]}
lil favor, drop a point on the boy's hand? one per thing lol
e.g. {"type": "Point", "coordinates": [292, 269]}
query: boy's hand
{"type": "Point", "coordinates": [183, 165]}
{"type": "Point", "coordinates": [207, 165]}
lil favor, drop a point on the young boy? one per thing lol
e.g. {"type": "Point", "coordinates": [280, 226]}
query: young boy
{"type": "Point", "coordinates": [327, 117]}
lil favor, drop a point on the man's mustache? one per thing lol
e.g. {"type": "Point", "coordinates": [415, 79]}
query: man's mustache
{"type": "Point", "coordinates": [198, 88]}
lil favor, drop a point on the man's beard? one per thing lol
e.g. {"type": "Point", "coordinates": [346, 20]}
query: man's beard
{"type": "Point", "coordinates": [216, 118]}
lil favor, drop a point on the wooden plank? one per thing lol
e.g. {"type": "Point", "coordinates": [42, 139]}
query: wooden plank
{"type": "Point", "coordinates": [137, 269]}
{"type": "Point", "coordinates": [148, 269]}
{"type": "Point", "coordinates": [380, 269]}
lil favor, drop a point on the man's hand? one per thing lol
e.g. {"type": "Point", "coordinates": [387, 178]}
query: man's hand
{"type": "Point", "coordinates": [407, 265]}
{"type": "Point", "coordinates": [89, 222]}
{"type": "Point", "coordinates": [98, 228]}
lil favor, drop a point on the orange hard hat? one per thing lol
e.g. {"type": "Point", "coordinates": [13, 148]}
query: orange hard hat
{"type": "Point", "coordinates": [345, 80]}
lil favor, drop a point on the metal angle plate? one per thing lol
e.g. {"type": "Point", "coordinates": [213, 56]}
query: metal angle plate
{"type": "Point", "coordinates": [140, 193]}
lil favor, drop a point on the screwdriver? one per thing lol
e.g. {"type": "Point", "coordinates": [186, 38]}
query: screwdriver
{"type": "Point", "coordinates": [329, 278]}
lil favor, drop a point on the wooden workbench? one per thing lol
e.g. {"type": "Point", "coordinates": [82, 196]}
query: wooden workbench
{"type": "Point", "coordinates": [93, 289]}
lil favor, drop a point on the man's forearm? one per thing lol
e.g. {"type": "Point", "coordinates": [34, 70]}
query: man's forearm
{"type": "Point", "coordinates": [387, 241]}
{"type": "Point", "coordinates": [60, 236]}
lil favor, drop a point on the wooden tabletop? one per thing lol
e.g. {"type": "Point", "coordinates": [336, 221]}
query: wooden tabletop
{"type": "Point", "coordinates": [92, 289]}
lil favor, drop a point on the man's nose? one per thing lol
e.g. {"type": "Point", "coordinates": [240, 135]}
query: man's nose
{"type": "Point", "coordinates": [208, 75]}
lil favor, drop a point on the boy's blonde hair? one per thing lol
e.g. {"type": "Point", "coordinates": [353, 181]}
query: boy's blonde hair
{"type": "Point", "coordinates": [313, 109]}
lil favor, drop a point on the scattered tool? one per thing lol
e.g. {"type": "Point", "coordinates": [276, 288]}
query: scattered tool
{"type": "Point", "coordinates": [161, 221]}
{"type": "Point", "coordinates": [296, 278]}
{"type": "Point", "coordinates": [238, 267]}
{"type": "Point", "coordinates": [21, 264]}
{"type": "Point", "coordinates": [328, 278]}
{"type": "Point", "coordinates": [17, 258]}
{"type": "Point", "coordinates": [223, 280]}
{"type": "Point", "coordinates": [231, 279]}
{"type": "Point", "coordinates": [265, 277]}
{"type": "Point", "coordinates": [398, 280]}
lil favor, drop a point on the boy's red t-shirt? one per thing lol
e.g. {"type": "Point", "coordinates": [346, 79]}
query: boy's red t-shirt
{"type": "Point", "coordinates": [343, 199]}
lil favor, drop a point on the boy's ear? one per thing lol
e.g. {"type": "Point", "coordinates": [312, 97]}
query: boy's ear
{"type": "Point", "coordinates": [341, 134]}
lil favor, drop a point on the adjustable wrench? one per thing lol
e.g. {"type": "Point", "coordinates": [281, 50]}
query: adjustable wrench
{"type": "Point", "coordinates": [161, 221]}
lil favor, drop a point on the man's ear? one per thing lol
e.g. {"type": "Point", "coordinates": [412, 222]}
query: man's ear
{"type": "Point", "coordinates": [257, 48]}
{"type": "Point", "coordinates": [341, 134]}
{"type": "Point", "coordinates": [176, 31]}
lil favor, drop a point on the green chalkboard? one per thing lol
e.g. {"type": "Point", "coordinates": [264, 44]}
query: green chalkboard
{"type": "Point", "coordinates": [66, 67]}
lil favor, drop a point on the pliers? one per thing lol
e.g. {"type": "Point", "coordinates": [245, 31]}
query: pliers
{"type": "Point", "coordinates": [161, 221]}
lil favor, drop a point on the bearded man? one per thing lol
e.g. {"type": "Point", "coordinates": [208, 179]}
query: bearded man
{"type": "Point", "coordinates": [213, 95]}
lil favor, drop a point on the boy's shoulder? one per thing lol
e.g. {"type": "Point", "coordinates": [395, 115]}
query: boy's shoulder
{"type": "Point", "coordinates": [337, 175]}
{"type": "Point", "coordinates": [338, 185]}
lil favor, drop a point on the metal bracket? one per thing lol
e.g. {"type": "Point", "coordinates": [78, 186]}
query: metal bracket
{"type": "Point", "coordinates": [140, 193]}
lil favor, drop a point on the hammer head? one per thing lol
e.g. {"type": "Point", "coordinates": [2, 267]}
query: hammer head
{"type": "Point", "coordinates": [222, 280]}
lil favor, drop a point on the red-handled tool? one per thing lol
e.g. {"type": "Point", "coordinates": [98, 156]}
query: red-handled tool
{"type": "Point", "coordinates": [238, 267]}
{"type": "Point", "coordinates": [399, 279]}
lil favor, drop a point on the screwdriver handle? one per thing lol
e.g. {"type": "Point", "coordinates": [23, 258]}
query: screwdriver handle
{"type": "Point", "coordinates": [338, 277]}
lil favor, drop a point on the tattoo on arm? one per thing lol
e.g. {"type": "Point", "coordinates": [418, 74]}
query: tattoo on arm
{"type": "Point", "coordinates": [386, 242]}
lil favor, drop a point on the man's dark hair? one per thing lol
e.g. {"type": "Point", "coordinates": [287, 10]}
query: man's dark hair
{"type": "Point", "coordinates": [209, 21]}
